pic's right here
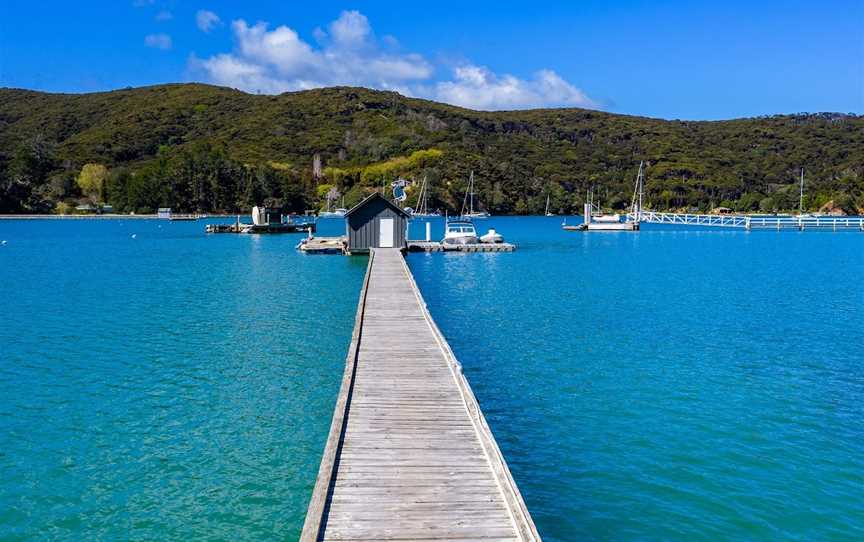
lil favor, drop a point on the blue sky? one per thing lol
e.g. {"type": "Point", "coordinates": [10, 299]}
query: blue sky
{"type": "Point", "coordinates": [671, 59]}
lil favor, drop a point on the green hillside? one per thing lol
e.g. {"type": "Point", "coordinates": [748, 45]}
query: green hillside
{"type": "Point", "coordinates": [198, 147]}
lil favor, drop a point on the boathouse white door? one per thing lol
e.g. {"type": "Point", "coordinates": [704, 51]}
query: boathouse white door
{"type": "Point", "coordinates": [385, 232]}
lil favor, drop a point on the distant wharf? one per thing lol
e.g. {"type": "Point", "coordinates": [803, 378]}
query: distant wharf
{"type": "Point", "coordinates": [260, 228]}
{"type": "Point", "coordinates": [726, 219]}
{"type": "Point", "coordinates": [340, 245]}
{"type": "Point", "coordinates": [266, 221]}
{"type": "Point", "coordinates": [409, 455]}
{"type": "Point", "coordinates": [435, 246]}
{"type": "Point", "coordinates": [746, 222]}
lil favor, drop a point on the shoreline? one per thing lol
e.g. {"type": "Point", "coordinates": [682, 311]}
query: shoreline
{"type": "Point", "coordinates": [74, 217]}
{"type": "Point", "coordinates": [97, 217]}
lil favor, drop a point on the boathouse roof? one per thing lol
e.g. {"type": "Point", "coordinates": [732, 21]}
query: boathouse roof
{"type": "Point", "coordinates": [373, 197]}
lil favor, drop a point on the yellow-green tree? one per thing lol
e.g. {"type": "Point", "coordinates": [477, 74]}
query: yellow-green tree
{"type": "Point", "coordinates": [324, 189]}
{"type": "Point", "coordinates": [91, 180]}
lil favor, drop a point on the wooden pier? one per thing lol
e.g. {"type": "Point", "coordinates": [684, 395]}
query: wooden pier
{"type": "Point", "coordinates": [324, 245]}
{"type": "Point", "coordinates": [297, 227]}
{"type": "Point", "coordinates": [436, 246]}
{"type": "Point", "coordinates": [409, 455]}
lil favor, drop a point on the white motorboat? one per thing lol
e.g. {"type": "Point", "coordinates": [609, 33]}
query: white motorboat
{"type": "Point", "coordinates": [460, 232]}
{"type": "Point", "coordinates": [336, 213]}
{"type": "Point", "coordinates": [339, 212]}
{"type": "Point", "coordinates": [492, 236]}
{"type": "Point", "coordinates": [601, 217]}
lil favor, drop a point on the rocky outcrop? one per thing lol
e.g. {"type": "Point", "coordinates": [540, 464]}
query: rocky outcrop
{"type": "Point", "coordinates": [831, 209]}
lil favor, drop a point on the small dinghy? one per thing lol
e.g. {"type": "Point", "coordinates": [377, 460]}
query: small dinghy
{"type": "Point", "coordinates": [492, 236]}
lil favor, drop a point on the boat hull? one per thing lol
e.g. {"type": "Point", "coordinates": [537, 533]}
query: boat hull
{"type": "Point", "coordinates": [613, 226]}
{"type": "Point", "coordinates": [463, 240]}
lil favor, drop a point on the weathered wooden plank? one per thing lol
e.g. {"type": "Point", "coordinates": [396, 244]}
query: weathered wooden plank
{"type": "Point", "coordinates": [312, 525]}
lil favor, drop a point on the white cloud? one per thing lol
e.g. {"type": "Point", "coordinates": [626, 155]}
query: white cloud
{"type": "Point", "coordinates": [281, 49]}
{"type": "Point", "coordinates": [233, 72]}
{"type": "Point", "coordinates": [207, 20]}
{"type": "Point", "coordinates": [351, 28]}
{"type": "Point", "coordinates": [478, 88]}
{"type": "Point", "coordinates": [158, 41]}
{"type": "Point", "coordinates": [348, 53]}
{"type": "Point", "coordinates": [164, 15]}
{"type": "Point", "coordinates": [279, 60]}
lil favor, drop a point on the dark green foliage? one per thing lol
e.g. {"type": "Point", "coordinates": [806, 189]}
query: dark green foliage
{"type": "Point", "coordinates": [202, 148]}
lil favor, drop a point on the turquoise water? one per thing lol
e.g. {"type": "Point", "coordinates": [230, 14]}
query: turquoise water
{"type": "Point", "coordinates": [666, 385]}
{"type": "Point", "coordinates": [174, 386]}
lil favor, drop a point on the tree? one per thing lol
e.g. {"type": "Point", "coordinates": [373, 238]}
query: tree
{"type": "Point", "coordinates": [324, 191]}
{"type": "Point", "coordinates": [92, 179]}
{"type": "Point", "coordinates": [21, 187]}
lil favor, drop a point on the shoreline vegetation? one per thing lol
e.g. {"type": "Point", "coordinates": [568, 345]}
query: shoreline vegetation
{"type": "Point", "coordinates": [206, 149]}
{"type": "Point", "coordinates": [153, 216]}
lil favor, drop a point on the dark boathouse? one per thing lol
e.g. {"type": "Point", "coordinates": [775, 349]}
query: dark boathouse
{"type": "Point", "coordinates": [376, 222]}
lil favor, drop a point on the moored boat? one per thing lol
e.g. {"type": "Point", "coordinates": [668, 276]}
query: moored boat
{"type": "Point", "coordinates": [492, 236]}
{"type": "Point", "coordinates": [468, 211]}
{"type": "Point", "coordinates": [337, 213]}
{"type": "Point", "coordinates": [605, 218]}
{"type": "Point", "coordinates": [460, 232]}
{"type": "Point", "coordinates": [422, 209]}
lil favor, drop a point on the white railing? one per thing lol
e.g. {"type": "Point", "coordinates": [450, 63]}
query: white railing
{"type": "Point", "coordinates": [805, 223]}
{"type": "Point", "coordinates": [751, 222]}
{"type": "Point", "coordinates": [723, 221]}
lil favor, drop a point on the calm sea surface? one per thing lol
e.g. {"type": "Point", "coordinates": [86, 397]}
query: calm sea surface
{"type": "Point", "coordinates": [665, 385]}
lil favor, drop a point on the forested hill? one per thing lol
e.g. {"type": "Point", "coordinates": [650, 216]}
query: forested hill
{"type": "Point", "coordinates": [198, 147]}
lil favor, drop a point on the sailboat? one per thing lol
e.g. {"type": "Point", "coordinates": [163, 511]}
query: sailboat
{"type": "Point", "coordinates": [468, 203]}
{"type": "Point", "coordinates": [801, 212]}
{"type": "Point", "coordinates": [547, 207]}
{"type": "Point", "coordinates": [423, 201]}
{"type": "Point", "coordinates": [607, 224]}
{"type": "Point", "coordinates": [337, 213]}
{"type": "Point", "coordinates": [597, 214]}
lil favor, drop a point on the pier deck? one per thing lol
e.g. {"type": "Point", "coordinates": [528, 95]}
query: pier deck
{"type": "Point", "coordinates": [409, 455]}
{"type": "Point", "coordinates": [436, 246]}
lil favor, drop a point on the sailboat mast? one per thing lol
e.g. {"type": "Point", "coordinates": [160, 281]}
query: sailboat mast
{"type": "Point", "coordinates": [465, 199]}
{"type": "Point", "coordinates": [471, 187]}
{"type": "Point", "coordinates": [801, 197]}
{"type": "Point", "coordinates": [636, 203]}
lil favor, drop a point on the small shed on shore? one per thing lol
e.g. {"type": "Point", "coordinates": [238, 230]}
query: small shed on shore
{"type": "Point", "coordinates": [376, 222]}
